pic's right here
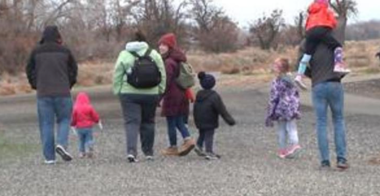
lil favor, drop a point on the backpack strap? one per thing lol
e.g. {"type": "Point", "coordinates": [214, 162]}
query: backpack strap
{"type": "Point", "coordinates": [135, 54]}
{"type": "Point", "coordinates": [147, 53]}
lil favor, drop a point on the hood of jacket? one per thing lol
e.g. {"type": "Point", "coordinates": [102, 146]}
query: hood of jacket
{"type": "Point", "coordinates": [317, 7]}
{"type": "Point", "coordinates": [136, 46]}
{"type": "Point", "coordinates": [82, 100]}
{"type": "Point", "coordinates": [51, 35]}
{"type": "Point", "coordinates": [176, 54]}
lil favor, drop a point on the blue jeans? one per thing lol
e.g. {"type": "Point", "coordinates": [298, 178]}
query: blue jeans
{"type": "Point", "coordinates": [86, 139]}
{"type": "Point", "coordinates": [330, 94]}
{"type": "Point", "coordinates": [53, 110]}
{"type": "Point", "coordinates": [287, 133]}
{"type": "Point", "coordinates": [174, 123]}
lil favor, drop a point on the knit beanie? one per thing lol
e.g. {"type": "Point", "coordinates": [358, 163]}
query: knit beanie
{"type": "Point", "coordinates": [207, 81]}
{"type": "Point", "coordinates": [169, 40]}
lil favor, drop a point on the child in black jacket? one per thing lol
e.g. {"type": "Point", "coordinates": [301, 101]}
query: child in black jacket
{"type": "Point", "coordinates": [207, 108]}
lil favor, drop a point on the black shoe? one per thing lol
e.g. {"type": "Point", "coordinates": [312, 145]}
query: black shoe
{"type": "Point", "coordinates": [342, 164]}
{"type": "Point", "coordinates": [325, 165]}
{"type": "Point", "coordinates": [131, 158]}
{"type": "Point", "coordinates": [212, 156]}
{"type": "Point", "coordinates": [63, 153]}
{"type": "Point", "coordinates": [199, 151]}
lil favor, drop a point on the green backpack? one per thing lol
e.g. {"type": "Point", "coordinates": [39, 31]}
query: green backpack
{"type": "Point", "coordinates": [186, 76]}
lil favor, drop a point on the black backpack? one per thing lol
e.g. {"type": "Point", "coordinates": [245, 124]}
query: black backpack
{"type": "Point", "coordinates": [144, 73]}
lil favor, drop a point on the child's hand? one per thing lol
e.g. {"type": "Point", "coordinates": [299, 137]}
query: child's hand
{"type": "Point", "coordinates": [100, 125]}
{"type": "Point", "coordinates": [74, 131]}
{"type": "Point", "coordinates": [269, 122]}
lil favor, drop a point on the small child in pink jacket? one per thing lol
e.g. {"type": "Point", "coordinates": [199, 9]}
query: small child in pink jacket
{"type": "Point", "coordinates": [83, 119]}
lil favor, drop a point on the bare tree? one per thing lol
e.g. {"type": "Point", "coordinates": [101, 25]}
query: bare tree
{"type": "Point", "coordinates": [344, 9]}
{"type": "Point", "coordinates": [121, 12]}
{"type": "Point", "coordinates": [266, 29]}
{"type": "Point", "coordinates": [299, 22]}
{"type": "Point", "coordinates": [214, 30]}
{"type": "Point", "coordinates": [204, 12]}
{"type": "Point", "coordinates": [157, 17]}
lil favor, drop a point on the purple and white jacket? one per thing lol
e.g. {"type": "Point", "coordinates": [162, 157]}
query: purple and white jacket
{"type": "Point", "coordinates": [284, 101]}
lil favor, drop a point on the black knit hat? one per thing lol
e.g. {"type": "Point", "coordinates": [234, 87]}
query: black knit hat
{"type": "Point", "coordinates": [207, 81]}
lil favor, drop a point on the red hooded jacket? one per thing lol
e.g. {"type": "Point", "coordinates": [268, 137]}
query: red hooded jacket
{"type": "Point", "coordinates": [320, 15]}
{"type": "Point", "coordinates": [84, 115]}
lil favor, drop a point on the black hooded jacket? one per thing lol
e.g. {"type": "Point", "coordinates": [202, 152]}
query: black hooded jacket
{"type": "Point", "coordinates": [207, 108]}
{"type": "Point", "coordinates": [51, 69]}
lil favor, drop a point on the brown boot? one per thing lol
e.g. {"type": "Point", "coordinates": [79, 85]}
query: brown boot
{"type": "Point", "coordinates": [170, 151]}
{"type": "Point", "coordinates": [186, 147]}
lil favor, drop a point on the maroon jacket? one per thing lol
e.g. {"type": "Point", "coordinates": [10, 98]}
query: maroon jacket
{"type": "Point", "coordinates": [175, 102]}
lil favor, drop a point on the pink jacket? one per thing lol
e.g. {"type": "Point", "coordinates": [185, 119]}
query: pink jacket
{"type": "Point", "coordinates": [84, 115]}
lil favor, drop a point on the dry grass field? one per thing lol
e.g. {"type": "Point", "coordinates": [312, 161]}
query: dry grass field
{"type": "Point", "coordinates": [248, 65]}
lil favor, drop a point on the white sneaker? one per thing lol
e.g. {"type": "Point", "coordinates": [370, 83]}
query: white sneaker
{"type": "Point", "coordinates": [49, 162]}
{"type": "Point", "coordinates": [293, 151]}
{"type": "Point", "coordinates": [340, 68]}
{"type": "Point", "coordinates": [299, 82]}
{"type": "Point", "coordinates": [132, 158]}
{"type": "Point", "coordinates": [149, 158]}
{"type": "Point", "coordinates": [63, 153]}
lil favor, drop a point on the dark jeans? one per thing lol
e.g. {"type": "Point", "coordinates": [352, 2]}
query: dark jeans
{"type": "Point", "coordinates": [207, 137]}
{"type": "Point", "coordinates": [317, 35]}
{"type": "Point", "coordinates": [174, 123]}
{"type": "Point", "coordinates": [139, 117]}
{"type": "Point", "coordinates": [51, 111]}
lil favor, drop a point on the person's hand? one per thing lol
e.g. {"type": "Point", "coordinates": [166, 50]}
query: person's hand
{"type": "Point", "coordinates": [269, 122]}
{"type": "Point", "coordinates": [74, 131]}
{"type": "Point", "coordinates": [100, 125]}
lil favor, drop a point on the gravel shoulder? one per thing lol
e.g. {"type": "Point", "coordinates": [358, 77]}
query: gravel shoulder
{"type": "Point", "coordinates": [249, 165]}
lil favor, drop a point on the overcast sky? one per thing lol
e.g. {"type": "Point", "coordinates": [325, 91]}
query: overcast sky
{"type": "Point", "coordinates": [245, 11]}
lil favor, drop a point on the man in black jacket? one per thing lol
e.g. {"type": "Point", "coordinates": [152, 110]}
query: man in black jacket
{"type": "Point", "coordinates": [52, 72]}
{"type": "Point", "coordinates": [378, 55]}
{"type": "Point", "coordinates": [207, 108]}
{"type": "Point", "coordinates": [328, 92]}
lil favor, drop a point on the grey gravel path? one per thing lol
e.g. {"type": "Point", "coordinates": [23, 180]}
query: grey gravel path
{"type": "Point", "coordinates": [248, 166]}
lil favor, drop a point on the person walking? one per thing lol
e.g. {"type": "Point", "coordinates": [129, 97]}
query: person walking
{"type": "Point", "coordinates": [52, 72]}
{"type": "Point", "coordinates": [175, 105]}
{"type": "Point", "coordinates": [139, 80]}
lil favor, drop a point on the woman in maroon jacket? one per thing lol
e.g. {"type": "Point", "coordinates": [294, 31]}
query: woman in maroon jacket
{"type": "Point", "coordinates": [175, 105]}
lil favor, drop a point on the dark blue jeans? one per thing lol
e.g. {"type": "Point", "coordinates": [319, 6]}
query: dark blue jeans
{"type": "Point", "coordinates": [51, 111]}
{"type": "Point", "coordinates": [330, 95]}
{"type": "Point", "coordinates": [174, 123]}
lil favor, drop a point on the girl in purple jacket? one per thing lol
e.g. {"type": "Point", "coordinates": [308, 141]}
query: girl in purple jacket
{"type": "Point", "coordinates": [284, 107]}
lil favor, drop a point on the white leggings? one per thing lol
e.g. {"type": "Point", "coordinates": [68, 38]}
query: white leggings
{"type": "Point", "coordinates": [287, 133]}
